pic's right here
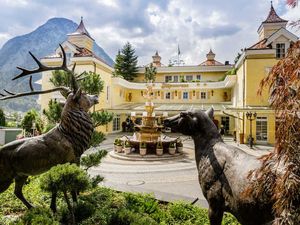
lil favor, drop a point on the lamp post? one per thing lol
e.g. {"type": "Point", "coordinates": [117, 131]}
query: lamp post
{"type": "Point", "coordinates": [251, 116]}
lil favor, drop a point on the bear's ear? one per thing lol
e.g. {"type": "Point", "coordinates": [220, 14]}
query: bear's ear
{"type": "Point", "coordinates": [210, 112]}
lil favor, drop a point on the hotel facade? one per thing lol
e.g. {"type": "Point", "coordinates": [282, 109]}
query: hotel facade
{"type": "Point", "coordinates": [230, 89]}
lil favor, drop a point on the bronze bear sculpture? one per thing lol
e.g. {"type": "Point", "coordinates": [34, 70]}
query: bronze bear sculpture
{"type": "Point", "coordinates": [222, 170]}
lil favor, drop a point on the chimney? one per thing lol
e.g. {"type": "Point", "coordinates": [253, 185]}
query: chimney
{"type": "Point", "coordinates": [226, 63]}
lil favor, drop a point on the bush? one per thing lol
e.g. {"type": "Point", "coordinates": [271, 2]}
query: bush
{"type": "Point", "coordinates": [37, 216]}
{"type": "Point", "coordinates": [2, 118]}
{"type": "Point", "coordinates": [30, 117]}
{"type": "Point", "coordinates": [97, 138]}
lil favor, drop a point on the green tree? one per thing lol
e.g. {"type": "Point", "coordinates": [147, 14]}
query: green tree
{"type": "Point", "coordinates": [54, 111]}
{"type": "Point", "coordinates": [32, 120]}
{"type": "Point", "coordinates": [92, 83]}
{"type": "Point", "coordinates": [150, 73]}
{"type": "Point", "coordinates": [66, 178]}
{"type": "Point", "coordinates": [126, 63]}
{"type": "Point", "coordinates": [2, 118]}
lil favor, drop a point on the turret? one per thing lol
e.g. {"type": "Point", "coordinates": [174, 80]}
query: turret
{"type": "Point", "coordinates": [81, 37]}
{"type": "Point", "coordinates": [271, 24]}
{"type": "Point", "coordinates": [156, 60]}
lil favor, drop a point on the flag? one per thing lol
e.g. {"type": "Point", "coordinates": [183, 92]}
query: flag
{"type": "Point", "coordinates": [178, 50]}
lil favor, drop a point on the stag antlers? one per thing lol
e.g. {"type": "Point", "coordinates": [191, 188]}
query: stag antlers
{"type": "Point", "coordinates": [43, 68]}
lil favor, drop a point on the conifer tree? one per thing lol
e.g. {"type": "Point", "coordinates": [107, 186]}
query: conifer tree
{"type": "Point", "coordinates": [2, 118]}
{"type": "Point", "coordinates": [126, 63]}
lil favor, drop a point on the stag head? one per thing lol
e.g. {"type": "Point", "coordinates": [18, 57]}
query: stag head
{"type": "Point", "coordinates": [76, 99]}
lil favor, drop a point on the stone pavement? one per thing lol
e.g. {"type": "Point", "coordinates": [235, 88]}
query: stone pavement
{"type": "Point", "coordinates": [168, 180]}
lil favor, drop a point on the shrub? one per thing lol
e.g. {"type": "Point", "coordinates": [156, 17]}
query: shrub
{"type": "Point", "coordinates": [2, 118]}
{"type": "Point", "coordinates": [97, 138]}
{"type": "Point", "coordinates": [30, 117]}
{"type": "Point", "coordinates": [37, 216]}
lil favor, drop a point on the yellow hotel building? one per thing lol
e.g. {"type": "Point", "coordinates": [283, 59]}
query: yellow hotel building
{"type": "Point", "coordinates": [179, 88]}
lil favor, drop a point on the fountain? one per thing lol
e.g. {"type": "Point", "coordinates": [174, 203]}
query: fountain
{"type": "Point", "coordinates": [148, 137]}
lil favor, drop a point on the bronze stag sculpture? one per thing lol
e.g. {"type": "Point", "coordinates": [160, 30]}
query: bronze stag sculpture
{"type": "Point", "coordinates": [64, 143]}
{"type": "Point", "coordinates": [222, 171]}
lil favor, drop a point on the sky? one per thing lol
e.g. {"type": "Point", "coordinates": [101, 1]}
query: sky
{"type": "Point", "coordinates": [153, 25]}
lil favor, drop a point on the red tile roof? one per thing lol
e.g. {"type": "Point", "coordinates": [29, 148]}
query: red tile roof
{"type": "Point", "coordinates": [273, 17]}
{"type": "Point", "coordinates": [211, 63]}
{"type": "Point", "coordinates": [260, 45]}
{"type": "Point", "coordinates": [81, 30]}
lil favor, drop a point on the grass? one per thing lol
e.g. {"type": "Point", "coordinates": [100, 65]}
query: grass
{"type": "Point", "coordinates": [101, 206]}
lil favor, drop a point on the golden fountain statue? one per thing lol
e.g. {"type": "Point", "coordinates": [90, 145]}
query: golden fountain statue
{"type": "Point", "coordinates": [149, 133]}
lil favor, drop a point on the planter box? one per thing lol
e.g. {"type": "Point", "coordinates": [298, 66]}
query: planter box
{"type": "Point", "coordinates": [143, 151]}
{"type": "Point", "coordinates": [172, 151]}
{"type": "Point", "coordinates": [127, 150]}
{"type": "Point", "coordinates": [180, 149]}
{"type": "Point", "coordinates": [119, 148]}
{"type": "Point", "coordinates": [115, 148]}
{"type": "Point", "coordinates": [159, 151]}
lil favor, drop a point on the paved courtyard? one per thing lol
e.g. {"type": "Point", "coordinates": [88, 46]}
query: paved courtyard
{"type": "Point", "coordinates": [168, 180]}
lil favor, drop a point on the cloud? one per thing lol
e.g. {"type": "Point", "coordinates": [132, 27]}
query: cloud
{"type": "Point", "coordinates": [224, 26]}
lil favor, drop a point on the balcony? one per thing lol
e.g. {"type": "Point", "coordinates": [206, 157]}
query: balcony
{"type": "Point", "coordinates": [228, 82]}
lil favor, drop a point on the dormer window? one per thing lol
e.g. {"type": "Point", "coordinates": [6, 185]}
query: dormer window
{"type": "Point", "coordinates": [68, 55]}
{"type": "Point", "coordinates": [280, 50]}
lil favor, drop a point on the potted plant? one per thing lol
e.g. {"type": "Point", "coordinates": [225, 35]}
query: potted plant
{"type": "Point", "coordinates": [116, 144]}
{"type": "Point", "coordinates": [143, 148]}
{"type": "Point", "coordinates": [119, 146]}
{"type": "Point", "coordinates": [159, 148]}
{"type": "Point", "coordinates": [127, 147]}
{"type": "Point", "coordinates": [179, 146]}
{"type": "Point", "coordinates": [172, 148]}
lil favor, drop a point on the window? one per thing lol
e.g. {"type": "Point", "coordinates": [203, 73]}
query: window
{"type": "Point", "coordinates": [107, 93]}
{"type": "Point", "coordinates": [198, 77]}
{"type": "Point", "coordinates": [185, 95]}
{"type": "Point", "coordinates": [175, 78]}
{"type": "Point", "coordinates": [203, 95]}
{"type": "Point", "coordinates": [280, 50]}
{"type": "Point", "coordinates": [116, 123]}
{"type": "Point", "coordinates": [189, 78]}
{"type": "Point", "coordinates": [168, 79]}
{"type": "Point", "coordinates": [168, 95]}
{"type": "Point", "coordinates": [261, 129]}
{"type": "Point", "coordinates": [225, 123]}
{"type": "Point", "coordinates": [68, 56]}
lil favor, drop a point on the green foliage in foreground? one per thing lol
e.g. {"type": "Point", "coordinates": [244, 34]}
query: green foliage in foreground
{"type": "Point", "coordinates": [102, 206]}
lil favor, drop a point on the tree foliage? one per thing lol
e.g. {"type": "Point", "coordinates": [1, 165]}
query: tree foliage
{"type": "Point", "coordinates": [279, 176]}
{"type": "Point", "coordinates": [92, 83]}
{"type": "Point", "coordinates": [293, 4]}
{"type": "Point", "coordinates": [2, 118]}
{"type": "Point", "coordinates": [150, 73]}
{"type": "Point", "coordinates": [100, 118]}
{"type": "Point", "coordinates": [32, 117]}
{"type": "Point", "coordinates": [126, 63]}
{"type": "Point", "coordinates": [53, 113]}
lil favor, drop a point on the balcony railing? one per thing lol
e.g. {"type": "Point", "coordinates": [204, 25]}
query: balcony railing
{"type": "Point", "coordinates": [228, 82]}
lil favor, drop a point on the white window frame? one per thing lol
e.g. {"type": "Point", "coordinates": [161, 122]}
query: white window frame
{"type": "Point", "coordinates": [261, 137]}
{"type": "Point", "coordinates": [168, 95]}
{"type": "Point", "coordinates": [177, 78]}
{"type": "Point", "coordinates": [185, 93]}
{"type": "Point", "coordinates": [205, 95]}
{"type": "Point", "coordinates": [280, 50]}
{"type": "Point", "coordinates": [198, 77]}
{"type": "Point", "coordinates": [189, 78]}
{"type": "Point", "coordinates": [116, 123]}
{"type": "Point", "coordinates": [168, 78]}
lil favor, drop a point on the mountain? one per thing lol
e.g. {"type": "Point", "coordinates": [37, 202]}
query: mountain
{"type": "Point", "coordinates": [41, 42]}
